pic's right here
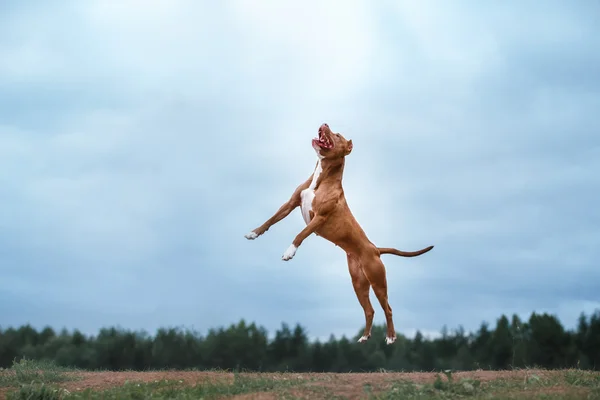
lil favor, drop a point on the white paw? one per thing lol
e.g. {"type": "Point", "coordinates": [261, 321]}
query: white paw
{"type": "Point", "coordinates": [363, 339]}
{"type": "Point", "coordinates": [289, 253]}
{"type": "Point", "coordinates": [251, 236]}
{"type": "Point", "coordinates": [390, 340]}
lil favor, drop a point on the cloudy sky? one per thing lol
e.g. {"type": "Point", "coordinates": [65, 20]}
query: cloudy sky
{"type": "Point", "coordinates": [140, 141]}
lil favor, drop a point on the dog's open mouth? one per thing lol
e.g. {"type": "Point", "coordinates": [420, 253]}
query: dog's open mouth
{"type": "Point", "coordinates": [323, 141]}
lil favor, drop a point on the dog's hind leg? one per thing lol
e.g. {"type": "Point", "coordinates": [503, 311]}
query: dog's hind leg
{"type": "Point", "coordinates": [375, 272]}
{"type": "Point", "coordinates": [361, 288]}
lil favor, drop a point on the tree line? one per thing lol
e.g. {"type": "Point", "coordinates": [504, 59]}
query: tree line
{"type": "Point", "coordinates": [541, 341]}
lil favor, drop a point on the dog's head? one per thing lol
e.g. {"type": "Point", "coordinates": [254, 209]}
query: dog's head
{"type": "Point", "coordinates": [331, 145]}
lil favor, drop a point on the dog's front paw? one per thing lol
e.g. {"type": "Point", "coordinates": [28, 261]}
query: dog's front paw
{"type": "Point", "coordinates": [390, 340]}
{"type": "Point", "coordinates": [289, 253]}
{"type": "Point", "coordinates": [251, 236]}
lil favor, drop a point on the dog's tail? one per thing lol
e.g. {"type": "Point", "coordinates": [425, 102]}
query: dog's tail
{"type": "Point", "coordinates": [390, 250]}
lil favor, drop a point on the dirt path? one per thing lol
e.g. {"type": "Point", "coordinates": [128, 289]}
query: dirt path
{"type": "Point", "coordinates": [103, 380]}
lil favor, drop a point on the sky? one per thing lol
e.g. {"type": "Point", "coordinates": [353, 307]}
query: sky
{"type": "Point", "coordinates": [140, 141]}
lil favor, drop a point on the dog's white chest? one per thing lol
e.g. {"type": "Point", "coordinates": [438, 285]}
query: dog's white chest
{"type": "Point", "coordinates": [308, 195]}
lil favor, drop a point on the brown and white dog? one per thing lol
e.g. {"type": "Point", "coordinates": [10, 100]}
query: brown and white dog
{"type": "Point", "coordinates": [326, 213]}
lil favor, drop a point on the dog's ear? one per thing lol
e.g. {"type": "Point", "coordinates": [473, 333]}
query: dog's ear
{"type": "Point", "coordinates": [349, 147]}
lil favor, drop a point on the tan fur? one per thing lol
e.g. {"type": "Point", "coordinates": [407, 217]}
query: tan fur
{"type": "Point", "coordinates": [332, 219]}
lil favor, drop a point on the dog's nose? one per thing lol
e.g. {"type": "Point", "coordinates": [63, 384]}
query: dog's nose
{"type": "Point", "coordinates": [324, 126]}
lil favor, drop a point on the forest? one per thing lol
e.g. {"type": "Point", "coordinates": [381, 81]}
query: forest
{"type": "Point", "coordinates": [541, 341]}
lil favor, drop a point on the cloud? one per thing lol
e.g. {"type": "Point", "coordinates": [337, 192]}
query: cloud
{"type": "Point", "coordinates": [139, 144]}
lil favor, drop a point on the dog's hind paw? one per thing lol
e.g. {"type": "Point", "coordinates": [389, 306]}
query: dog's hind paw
{"type": "Point", "coordinates": [289, 253]}
{"type": "Point", "coordinates": [251, 236]}
{"type": "Point", "coordinates": [390, 340]}
{"type": "Point", "coordinates": [363, 339]}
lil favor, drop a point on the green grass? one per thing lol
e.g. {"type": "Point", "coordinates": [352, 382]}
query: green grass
{"type": "Point", "coordinates": [583, 379]}
{"type": "Point", "coordinates": [575, 384]}
{"type": "Point", "coordinates": [165, 389]}
{"type": "Point", "coordinates": [37, 372]}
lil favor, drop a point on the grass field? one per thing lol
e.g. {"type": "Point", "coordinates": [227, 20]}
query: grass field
{"type": "Point", "coordinates": [33, 380]}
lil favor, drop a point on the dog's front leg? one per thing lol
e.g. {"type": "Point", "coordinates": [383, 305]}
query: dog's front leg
{"type": "Point", "coordinates": [312, 226]}
{"type": "Point", "coordinates": [283, 212]}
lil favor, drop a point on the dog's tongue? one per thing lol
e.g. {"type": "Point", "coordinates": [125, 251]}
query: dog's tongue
{"type": "Point", "coordinates": [325, 143]}
{"type": "Point", "coordinates": [322, 140]}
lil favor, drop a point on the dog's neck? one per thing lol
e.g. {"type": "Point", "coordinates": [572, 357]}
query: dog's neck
{"type": "Point", "coordinates": [332, 170]}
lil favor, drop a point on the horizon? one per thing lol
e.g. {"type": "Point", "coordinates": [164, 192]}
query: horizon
{"type": "Point", "coordinates": [432, 335]}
